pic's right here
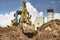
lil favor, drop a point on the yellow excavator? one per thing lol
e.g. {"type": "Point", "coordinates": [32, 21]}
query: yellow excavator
{"type": "Point", "coordinates": [25, 24]}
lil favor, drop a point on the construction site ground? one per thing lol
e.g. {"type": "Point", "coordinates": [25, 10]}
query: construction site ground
{"type": "Point", "coordinates": [48, 31]}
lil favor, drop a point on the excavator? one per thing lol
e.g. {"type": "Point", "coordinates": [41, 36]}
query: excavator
{"type": "Point", "coordinates": [25, 24]}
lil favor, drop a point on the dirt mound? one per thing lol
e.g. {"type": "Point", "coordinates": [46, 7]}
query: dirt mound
{"type": "Point", "coordinates": [13, 34]}
{"type": "Point", "coordinates": [49, 31]}
{"type": "Point", "coordinates": [53, 24]}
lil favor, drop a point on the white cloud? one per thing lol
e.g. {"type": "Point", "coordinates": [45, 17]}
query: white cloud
{"type": "Point", "coordinates": [32, 10]}
{"type": "Point", "coordinates": [52, 2]}
{"type": "Point", "coordinates": [45, 19]}
{"type": "Point", "coordinates": [40, 14]}
{"type": "Point", "coordinates": [57, 16]}
{"type": "Point", "coordinates": [6, 18]}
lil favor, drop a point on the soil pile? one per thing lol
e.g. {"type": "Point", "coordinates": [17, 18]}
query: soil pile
{"type": "Point", "coordinates": [48, 31]}
{"type": "Point", "coordinates": [13, 34]}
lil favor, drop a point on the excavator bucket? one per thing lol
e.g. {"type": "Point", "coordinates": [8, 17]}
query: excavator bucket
{"type": "Point", "coordinates": [28, 28]}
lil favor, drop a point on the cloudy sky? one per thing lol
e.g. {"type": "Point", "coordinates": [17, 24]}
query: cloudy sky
{"type": "Point", "coordinates": [7, 6]}
{"type": "Point", "coordinates": [34, 7]}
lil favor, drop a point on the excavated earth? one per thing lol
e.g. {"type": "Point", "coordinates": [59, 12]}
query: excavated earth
{"type": "Point", "coordinates": [48, 31]}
